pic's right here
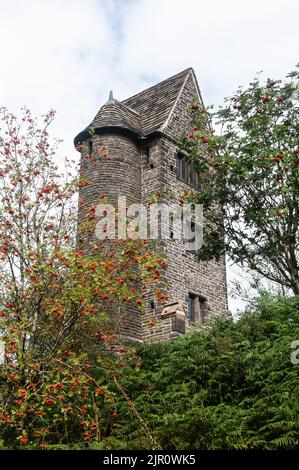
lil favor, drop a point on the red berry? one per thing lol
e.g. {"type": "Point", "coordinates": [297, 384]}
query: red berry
{"type": "Point", "coordinates": [24, 440]}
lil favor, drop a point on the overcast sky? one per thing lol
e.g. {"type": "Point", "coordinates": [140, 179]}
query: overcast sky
{"type": "Point", "coordinates": [68, 54]}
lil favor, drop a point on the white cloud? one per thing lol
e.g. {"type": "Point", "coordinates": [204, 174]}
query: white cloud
{"type": "Point", "coordinates": [67, 54]}
{"type": "Point", "coordinates": [56, 54]}
{"type": "Point", "coordinates": [226, 42]}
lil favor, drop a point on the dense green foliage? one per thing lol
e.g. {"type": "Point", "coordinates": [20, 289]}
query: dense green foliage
{"type": "Point", "coordinates": [231, 387]}
{"type": "Point", "coordinates": [234, 387]}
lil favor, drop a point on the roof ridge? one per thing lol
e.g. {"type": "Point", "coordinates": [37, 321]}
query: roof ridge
{"type": "Point", "coordinates": [157, 84]}
{"type": "Point", "coordinates": [165, 123]}
{"type": "Point", "coordinates": [145, 112]}
{"type": "Point", "coordinates": [122, 105]}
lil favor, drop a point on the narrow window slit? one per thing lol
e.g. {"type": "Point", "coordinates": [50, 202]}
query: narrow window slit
{"type": "Point", "coordinates": [89, 147]}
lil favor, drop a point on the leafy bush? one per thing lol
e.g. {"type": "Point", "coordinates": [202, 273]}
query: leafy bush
{"type": "Point", "coordinates": [231, 387]}
{"type": "Point", "coordinates": [234, 387]}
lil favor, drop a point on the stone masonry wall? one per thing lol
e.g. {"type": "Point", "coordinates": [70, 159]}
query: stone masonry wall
{"type": "Point", "coordinates": [185, 274]}
{"type": "Point", "coordinates": [139, 171]}
{"type": "Point", "coordinates": [116, 174]}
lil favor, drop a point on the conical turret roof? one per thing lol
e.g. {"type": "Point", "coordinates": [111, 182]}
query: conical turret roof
{"type": "Point", "coordinates": [142, 114]}
{"type": "Point", "coordinates": [116, 114]}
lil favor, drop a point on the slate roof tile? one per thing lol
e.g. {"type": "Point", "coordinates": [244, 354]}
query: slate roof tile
{"type": "Point", "coordinates": [155, 104]}
{"type": "Point", "coordinates": [116, 114]}
{"type": "Point", "coordinates": [142, 113]}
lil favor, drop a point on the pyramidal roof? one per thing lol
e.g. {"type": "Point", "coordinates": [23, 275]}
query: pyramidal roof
{"type": "Point", "coordinates": [143, 113]}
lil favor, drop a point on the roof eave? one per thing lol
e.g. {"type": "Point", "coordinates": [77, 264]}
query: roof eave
{"type": "Point", "coordinates": [104, 130]}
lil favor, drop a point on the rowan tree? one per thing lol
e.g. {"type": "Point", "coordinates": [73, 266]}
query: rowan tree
{"type": "Point", "coordinates": [55, 296]}
{"type": "Point", "coordinates": [249, 174]}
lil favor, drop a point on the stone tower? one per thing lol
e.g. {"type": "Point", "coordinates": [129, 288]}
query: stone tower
{"type": "Point", "coordinates": [142, 133]}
